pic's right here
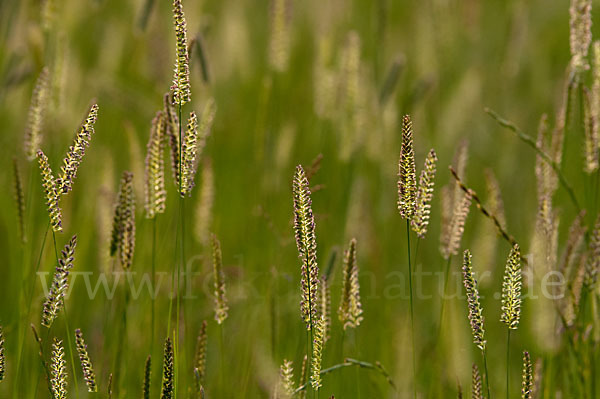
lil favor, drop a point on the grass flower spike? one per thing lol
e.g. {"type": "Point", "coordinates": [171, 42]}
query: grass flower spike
{"type": "Point", "coordinates": [317, 354]}
{"type": "Point", "coordinates": [147, 378]}
{"type": "Point", "coordinates": [76, 152]}
{"type": "Point", "coordinates": [286, 375]}
{"type": "Point", "coordinates": [188, 156]}
{"type": "Point", "coordinates": [590, 121]}
{"type": "Point", "coordinates": [19, 200]}
{"type": "Point", "coordinates": [304, 229]}
{"type": "Point", "coordinates": [511, 290]}
{"type": "Point", "coordinates": [204, 207]}
{"type": "Point", "coordinates": [50, 191]}
{"type": "Point", "coordinates": [580, 33]}
{"type": "Point", "coordinates": [350, 310]}
{"type": "Point", "coordinates": [154, 179]}
{"type": "Point", "coordinates": [451, 242]}
{"type": "Point", "coordinates": [123, 231]}
{"type": "Point", "coordinates": [420, 222]}
{"type": "Point", "coordinates": [221, 307]}
{"type": "Point", "coordinates": [58, 381]}
{"type": "Point", "coordinates": [86, 364]}
{"type": "Point", "coordinates": [60, 284]}
{"type": "Point", "coordinates": [324, 306]}
{"type": "Point", "coordinates": [407, 184]}
{"type": "Point", "coordinates": [172, 135]}
{"type": "Point", "coordinates": [35, 118]}
{"type": "Point", "coordinates": [200, 357]}
{"type": "Point", "coordinates": [168, 371]}
{"type": "Point", "coordinates": [527, 385]}
{"type": "Point", "coordinates": [194, 142]}
{"type": "Point", "coordinates": [2, 358]}
{"type": "Point", "coordinates": [476, 390]}
{"type": "Point", "coordinates": [279, 38]}
{"type": "Point", "coordinates": [475, 311]}
{"type": "Point", "coordinates": [181, 77]}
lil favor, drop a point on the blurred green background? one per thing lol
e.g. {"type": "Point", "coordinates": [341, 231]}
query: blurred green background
{"type": "Point", "coordinates": [284, 96]}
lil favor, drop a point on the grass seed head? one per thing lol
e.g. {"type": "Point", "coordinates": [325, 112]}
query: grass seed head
{"type": "Point", "coordinates": [188, 157]}
{"type": "Point", "coordinates": [286, 376]}
{"type": "Point", "coordinates": [58, 382]}
{"type": "Point", "coordinates": [76, 152]}
{"type": "Point", "coordinates": [527, 384]}
{"type": "Point", "coordinates": [317, 354]}
{"type": "Point", "coordinates": [580, 33]}
{"type": "Point", "coordinates": [476, 391]}
{"type": "Point", "coordinates": [2, 357]}
{"type": "Point", "coordinates": [171, 134]}
{"type": "Point", "coordinates": [304, 229]}
{"type": "Point", "coordinates": [35, 117]}
{"type": "Point", "coordinates": [50, 191]}
{"type": "Point", "coordinates": [221, 307]}
{"type": "Point", "coordinates": [154, 179]}
{"type": "Point", "coordinates": [511, 290]}
{"type": "Point", "coordinates": [19, 200]}
{"type": "Point", "coordinates": [181, 76]}
{"type": "Point", "coordinates": [204, 208]}
{"type": "Point", "coordinates": [86, 364]}
{"type": "Point", "coordinates": [324, 306]}
{"type": "Point", "coordinates": [123, 230]}
{"type": "Point", "coordinates": [451, 243]}
{"type": "Point", "coordinates": [60, 284]}
{"type": "Point", "coordinates": [590, 143]}
{"type": "Point", "coordinates": [200, 356]}
{"type": "Point", "coordinates": [147, 378]}
{"type": "Point", "coordinates": [407, 184]}
{"type": "Point", "coordinates": [350, 310]}
{"type": "Point", "coordinates": [475, 310]}
{"type": "Point", "coordinates": [168, 379]}
{"type": "Point", "coordinates": [279, 39]}
{"type": "Point", "coordinates": [420, 222]}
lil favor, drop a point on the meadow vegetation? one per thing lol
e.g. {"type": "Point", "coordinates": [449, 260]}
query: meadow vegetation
{"type": "Point", "coordinates": [299, 199]}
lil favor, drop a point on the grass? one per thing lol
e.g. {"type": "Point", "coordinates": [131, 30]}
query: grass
{"type": "Point", "coordinates": [350, 71]}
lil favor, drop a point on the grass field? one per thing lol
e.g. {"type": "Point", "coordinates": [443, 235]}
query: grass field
{"type": "Point", "coordinates": [209, 285]}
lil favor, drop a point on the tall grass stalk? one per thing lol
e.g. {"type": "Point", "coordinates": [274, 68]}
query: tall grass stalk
{"type": "Point", "coordinates": [21, 334]}
{"type": "Point", "coordinates": [180, 263]}
{"type": "Point", "coordinates": [153, 283]}
{"type": "Point", "coordinates": [66, 326]}
{"type": "Point", "coordinates": [222, 357]}
{"type": "Point", "coordinates": [507, 365]}
{"type": "Point", "coordinates": [412, 318]}
{"type": "Point", "coordinates": [485, 368]}
{"type": "Point", "coordinates": [38, 340]}
{"type": "Point", "coordinates": [444, 293]}
{"type": "Point", "coordinates": [30, 301]}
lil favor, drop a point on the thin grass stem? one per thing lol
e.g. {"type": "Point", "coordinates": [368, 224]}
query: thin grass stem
{"type": "Point", "coordinates": [485, 368]}
{"type": "Point", "coordinates": [24, 261]}
{"type": "Point", "coordinates": [412, 318]}
{"type": "Point", "coordinates": [153, 282]}
{"type": "Point", "coordinates": [508, 364]}
{"type": "Point", "coordinates": [531, 142]}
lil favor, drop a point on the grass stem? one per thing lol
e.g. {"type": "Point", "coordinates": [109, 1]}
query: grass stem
{"type": "Point", "coordinates": [153, 283]}
{"type": "Point", "coordinates": [531, 142]}
{"type": "Point", "coordinates": [508, 364]}
{"type": "Point", "coordinates": [412, 322]}
{"type": "Point", "coordinates": [487, 378]}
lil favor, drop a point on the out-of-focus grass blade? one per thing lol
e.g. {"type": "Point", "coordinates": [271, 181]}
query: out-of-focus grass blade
{"type": "Point", "coordinates": [200, 50]}
{"type": "Point", "coordinates": [145, 15]}
{"type": "Point", "coordinates": [331, 261]}
{"type": "Point", "coordinates": [391, 79]}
